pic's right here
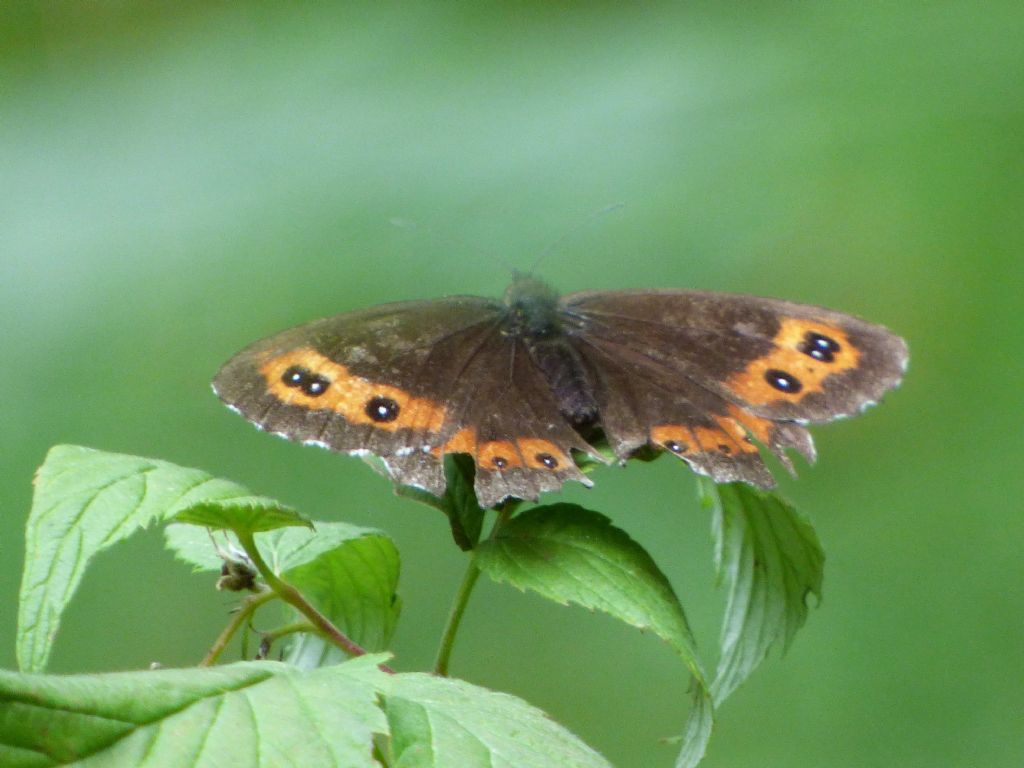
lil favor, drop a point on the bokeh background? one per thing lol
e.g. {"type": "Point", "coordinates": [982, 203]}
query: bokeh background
{"type": "Point", "coordinates": [177, 180]}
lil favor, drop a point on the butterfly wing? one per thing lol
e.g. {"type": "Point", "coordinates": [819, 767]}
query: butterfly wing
{"type": "Point", "coordinates": [510, 424]}
{"type": "Point", "coordinates": [703, 375]}
{"type": "Point", "coordinates": [411, 382]}
{"type": "Point", "coordinates": [372, 381]}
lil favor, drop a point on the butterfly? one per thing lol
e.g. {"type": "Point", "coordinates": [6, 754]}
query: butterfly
{"type": "Point", "coordinates": [523, 383]}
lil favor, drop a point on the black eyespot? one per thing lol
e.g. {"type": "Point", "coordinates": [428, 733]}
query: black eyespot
{"type": "Point", "coordinates": [294, 376]}
{"type": "Point", "coordinates": [547, 460]}
{"type": "Point", "coordinates": [820, 347]}
{"type": "Point", "coordinates": [500, 462]}
{"type": "Point", "coordinates": [382, 409]}
{"type": "Point", "coordinates": [312, 384]}
{"type": "Point", "coordinates": [722, 447]}
{"type": "Point", "coordinates": [675, 447]}
{"type": "Point", "coordinates": [315, 385]}
{"type": "Point", "coordinates": [782, 381]}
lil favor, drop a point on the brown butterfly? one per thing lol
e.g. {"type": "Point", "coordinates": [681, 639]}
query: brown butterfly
{"type": "Point", "coordinates": [521, 383]}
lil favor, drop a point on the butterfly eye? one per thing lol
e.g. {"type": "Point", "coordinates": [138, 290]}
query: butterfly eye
{"type": "Point", "coordinates": [782, 381]}
{"type": "Point", "coordinates": [820, 347]}
{"type": "Point", "coordinates": [382, 409]}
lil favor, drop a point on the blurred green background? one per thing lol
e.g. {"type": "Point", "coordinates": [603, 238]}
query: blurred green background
{"type": "Point", "coordinates": [179, 180]}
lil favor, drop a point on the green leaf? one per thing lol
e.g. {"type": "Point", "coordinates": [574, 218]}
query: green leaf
{"type": "Point", "coordinates": [85, 501]}
{"type": "Point", "coordinates": [697, 731]}
{"type": "Point", "coordinates": [570, 554]}
{"type": "Point", "coordinates": [573, 555]}
{"type": "Point", "coordinates": [459, 504]}
{"type": "Point", "coordinates": [252, 713]}
{"type": "Point", "coordinates": [349, 573]}
{"type": "Point", "coordinates": [771, 561]}
{"type": "Point", "coordinates": [437, 722]}
{"type": "Point", "coordinates": [254, 514]}
{"type": "Point", "coordinates": [198, 547]}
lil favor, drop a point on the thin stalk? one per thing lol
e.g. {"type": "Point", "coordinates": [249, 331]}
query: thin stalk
{"type": "Point", "coordinates": [458, 609]}
{"type": "Point", "coordinates": [267, 639]}
{"type": "Point", "coordinates": [444, 651]}
{"type": "Point", "coordinates": [245, 611]}
{"type": "Point", "coordinates": [293, 597]}
{"type": "Point", "coordinates": [274, 635]}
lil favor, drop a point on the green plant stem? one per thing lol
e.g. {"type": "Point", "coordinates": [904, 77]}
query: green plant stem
{"type": "Point", "coordinates": [267, 639]}
{"type": "Point", "coordinates": [444, 651]}
{"type": "Point", "coordinates": [245, 611]}
{"type": "Point", "coordinates": [469, 579]}
{"type": "Point", "coordinates": [274, 635]}
{"type": "Point", "coordinates": [293, 597]}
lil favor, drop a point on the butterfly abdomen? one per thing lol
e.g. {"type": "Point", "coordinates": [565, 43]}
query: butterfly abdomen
{"type": "Point", "coordinates": [564, 371]}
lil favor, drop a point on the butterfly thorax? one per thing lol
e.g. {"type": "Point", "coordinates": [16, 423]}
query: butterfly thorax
{"type": "Point", "coordinates": [534, 318]}
{"type": "Point", "coordinates": [532, 308]}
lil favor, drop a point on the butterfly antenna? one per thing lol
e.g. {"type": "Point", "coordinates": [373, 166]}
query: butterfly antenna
{"type": "Point", "coordinates": [573, 232]}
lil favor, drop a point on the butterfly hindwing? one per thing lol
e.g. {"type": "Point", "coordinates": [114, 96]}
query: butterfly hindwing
{"type": "Point", "coordinates": [641, 404]}
{"type": "Point", "coordinates": [504, 416]}
{"type": "Point", "coordinates": [681, 369]}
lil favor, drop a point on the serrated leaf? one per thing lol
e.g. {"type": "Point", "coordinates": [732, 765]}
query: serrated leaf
{"type": "Point", "coordinates": [459, 503]}
{"type": "Point", "coordinates": [198, 547]}
{"type": "Point", "coordinates": [251, 713]}
{"type": "Point", "coordinates": [254, 514]}
{"type": "Point", "coordinates": [570, 554]}
{"type": "Point", "coordinates": [769, 557]}
{"type": "Point", "coordinates": [84, 502]}
{"type": "Point", "coordinates": [697, 731]}
{"type": "Point", "coordinates": [437, 722]}
{"type": "Point", "coordinates": [573, 555]}
{"type": "Point", "coordinates": [349, 573]}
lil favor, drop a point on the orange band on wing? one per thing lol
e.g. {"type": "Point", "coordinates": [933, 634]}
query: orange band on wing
{"type": "Point", "coordinates": [759, 427]}
{"type": "Point", "coordinates": [498, 454]}
{"type": "Point", "coordinates": [357, 400]}
{"type": "Point", "coordinates": [531, 452]}
{"type": "Point", "coordinates": [727, 437]}
{"type": "Point", "coordinates": [674, 437]}
{"type": "Point", "coordinates": [463, 441]}
{"type": "Point", "coordinates": [807, 352]}
{"type": "Point", "coordinates": [542, 454]}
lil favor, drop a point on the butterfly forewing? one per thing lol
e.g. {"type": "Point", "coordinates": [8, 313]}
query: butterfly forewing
{"type": "Point", "coordinates": [375, 380]}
